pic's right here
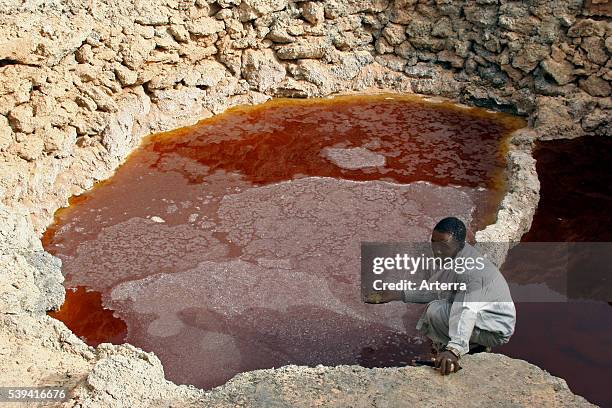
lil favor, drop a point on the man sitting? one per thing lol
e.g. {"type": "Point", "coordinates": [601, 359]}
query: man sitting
{"type": "Point", "coordinates": [480, 317]}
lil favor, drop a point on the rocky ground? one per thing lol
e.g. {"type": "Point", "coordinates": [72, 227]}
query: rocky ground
{"type": "Point", "coordinates": [82, 82]}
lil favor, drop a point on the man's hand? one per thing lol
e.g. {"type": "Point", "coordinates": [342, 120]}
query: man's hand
{"type": "Point", "coordinates": [447, 362]}
{"type": "Point", "coordinates": [383, 297]}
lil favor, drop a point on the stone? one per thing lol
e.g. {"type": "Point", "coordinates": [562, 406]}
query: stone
{"type": "Point", "coordinates": [598, 121]}
{"type": "Point", "coordinates": [165, 41]}
{"type": "Point", "coordinates": [493, 74]}
{"type": "Point", "coordinates": [164, 56]}
{"type": "Point", "coordinates": [580, 104]}
{"type": "Point", "coordinates": [515, 16]}
{"type": "Point", "coordinates": [194, 52]}
{"type": "Point", "coordinates": [492, 45]}
{"type": "Point", "coordinates": [103, 100]}
{"type": "Point", "coordinates": [485, 15]}
{"type": "Point", "coordinates": [530, 56]}
{"type": "Point", "coordinates": [279, 34]}
{"type": "Point", "coordinates": [462, 48]}
{"type": "Point", "coordinates": [252, 9]}
{"type": "Point", "coordinates": [146, 31]}
{"type": "Point", "coordinates": [595, 49]}
{"type": "Point", "coordinates": [84, 54]}
{"type": "Point", "coordinates": [417, 26]}
{"type": "Point", "coordinates": [68, 40]}
{"type": "Point", "coordinates": [450, 57]}
{"type": "Point", "coordinates": [228, 3]}
{"type": "Point", "coordinates": [561, 72]}
{"type": "Point", "coordinates": [595, 86]}
{"type": "Point", "coordinates": [407, 51]}
{"type": "Point", "coordinates": [349, 40]}
{"type": "Point", "coordinates": [6, 134]}
{"type": "Point", "coordinates": [103, 387]}
{"type": "Point", "coordinates": [313, 47]}
{"type": "Point", "coordinates": [162, 76]}
{"type": "Point", "coordinates": [428, 43]}
{"type": "Point", "coordinates": [545, 85]}
{"type": "Point", "coordinates": [548, 30]}
{"type": "Point", "coordinates": [31, 148]}
{"type": "Point", "coordinates": [233, 27]}
{"type": "Point", "coordinates": [317, 73]}
{"type": "Point", "coordinates": [262, 69]}
{"type": "Point", "coordinates": [313, 12]}
{"type": "Point", "coordinates": [587, 28]}
{"type": "Point", "coordinates": [339, 8]}
{"type": "Point", "coordinates": [296, 27]}
{"type": "Point", "coordinates": [152, 16]}
{"type": "Point", "coordinates": [205, 73]}
{"type": "Point", "coordinates": [211, 72]}
{"type": "Point", "coordinates": [21, 118]}
{"type": "Point", "coordinates": [401, 11]}
{"type": "Point", "coordinates": [513, 73]}
{"type": "Point", "coordinates": [383, 47]}
{"type": "Point", "coordinates": [350, 64]}
{"type": "Point", "coordinates": [86, 102]}
{"type": "Point", "coordinates": [421, 70]}
{"type": "Point", "coordinates": [125, 75]}
{"type": "Point", "coordinates": [59, 142]}
{"type": "Point", "coordinates": [391, 61]}
{"type": "Point", "coordinates": [179, 32]}
{"type": "Point", "coordinates": [553, 119]}
{"type": "Point", "coordinates": [135, 51]}
{"type": "Point", "coordinates": [442, 28]}
{"type": "Point", "coordinates": [607, 72]}
{"type": "Point", "coordinates": [88, 73]}
{"type": "Point", "coordinates": [394, 34]}
{"type": "Point", "coordinates": [345, 386]}
{"type": "Point", "coordinates": [557, 54]}
{"type": "Point", "coordinates": [205, 26]}
{"type": "Point", "coordinates": [292, 88]}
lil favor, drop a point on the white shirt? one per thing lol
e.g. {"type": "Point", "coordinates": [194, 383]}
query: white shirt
{"type": "Point", "coordinates": [485, 303]}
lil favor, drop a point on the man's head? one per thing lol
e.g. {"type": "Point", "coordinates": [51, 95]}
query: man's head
{"type": "Point", "coordinates": [448, 237]}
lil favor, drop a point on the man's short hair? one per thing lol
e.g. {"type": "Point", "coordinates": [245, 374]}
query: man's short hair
{"type": "Point", "coordinates": [453, 226]}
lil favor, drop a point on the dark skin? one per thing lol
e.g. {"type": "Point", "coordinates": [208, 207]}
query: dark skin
{"type": "Point", "coordinates": [443, 245]}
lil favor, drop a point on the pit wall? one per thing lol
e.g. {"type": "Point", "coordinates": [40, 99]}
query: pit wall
{"type": "Point", "coordinates": [82, 82]}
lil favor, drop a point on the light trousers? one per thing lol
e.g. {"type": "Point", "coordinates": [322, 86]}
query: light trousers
{"type": "Point", "coordinates": [434, 324]}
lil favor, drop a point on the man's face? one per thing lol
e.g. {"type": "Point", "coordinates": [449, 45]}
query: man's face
{"type": "Point", "coordinates": [443, 245]}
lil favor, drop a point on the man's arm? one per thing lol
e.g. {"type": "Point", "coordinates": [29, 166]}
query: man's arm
{"type": "Point", "coordinates": [408, 296]}
{"type": "Point", "coordinates": [422, 295]}
{"type": "Point", "coordinates": [419, 296]}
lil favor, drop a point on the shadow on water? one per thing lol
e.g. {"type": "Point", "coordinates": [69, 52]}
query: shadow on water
{"type": "Point", "coordinates": [573, 339]}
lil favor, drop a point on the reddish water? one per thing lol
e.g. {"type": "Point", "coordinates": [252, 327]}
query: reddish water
{"type": "Point", "coordinates": [571, 340]}
{"type": "Point", "coordinates": [234, 244]}
{"type": "Point", "coordinates": [84, 313]}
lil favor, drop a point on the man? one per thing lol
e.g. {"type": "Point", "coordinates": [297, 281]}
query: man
{"type": "Point", "coordinates": [479, 317]}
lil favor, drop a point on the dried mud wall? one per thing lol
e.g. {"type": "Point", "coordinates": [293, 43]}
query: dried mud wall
{"type": "Point", "coordinates": [82, 81]}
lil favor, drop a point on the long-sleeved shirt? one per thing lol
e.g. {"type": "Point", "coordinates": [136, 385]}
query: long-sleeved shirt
{"type": "Point", "coordinates": [485, 303]}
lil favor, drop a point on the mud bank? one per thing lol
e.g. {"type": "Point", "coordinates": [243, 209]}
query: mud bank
{"type": "Point", "coordinates": [77, 94]}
